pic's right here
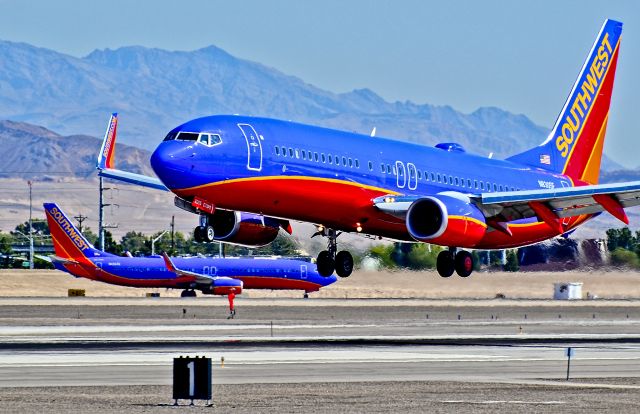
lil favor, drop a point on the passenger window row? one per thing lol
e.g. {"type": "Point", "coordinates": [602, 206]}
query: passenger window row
{"type": "Point", "coordinates": [288, 152]}
{"type": "Point", "coordinates": [385, 168]}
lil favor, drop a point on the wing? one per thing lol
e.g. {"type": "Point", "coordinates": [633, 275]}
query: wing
{"type": "Point", "coordinates": [199, 278]}
{"type": "Point", "coordinates": [547, 205]}
{"type": "Point", "coordinates": [132, 178]}
{"type": "Point", "coordinates": [106, 161]}
{"type": "Point", "coordinates": [560, 202]}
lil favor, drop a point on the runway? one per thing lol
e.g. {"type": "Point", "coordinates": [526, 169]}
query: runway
{"type": "Point", "coordinates": [309, 363]}
{"type": "Point", "coordinates": [279, 346]}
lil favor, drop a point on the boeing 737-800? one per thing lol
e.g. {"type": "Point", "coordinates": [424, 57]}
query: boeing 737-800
{"type": "Point", "coordinates": [247, 176]}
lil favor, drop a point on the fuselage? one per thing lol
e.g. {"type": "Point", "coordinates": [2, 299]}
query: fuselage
{"type": "Point", "coordinates": [258, 273]}
{"type": "Point", "coordinates": [329, 177]}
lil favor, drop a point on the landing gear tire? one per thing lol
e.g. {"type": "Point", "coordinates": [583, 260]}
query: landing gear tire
{"type": "Point", "coordinates": [209, 234]}
{"type": "Point", "coordinates": [198, 234]}
{"type": "Point", "coordinates": [464, 263]}
{"type": "Point", "coordinates": [306, 295]}
{"type": "Point", "coordinates": [445, 263]}
{"type": "Point", "coordinates": [325, 263]}
{"type": "Point", "coordinates": [188, 293]}
{"type": "Point", "coordinates": [344, 264]}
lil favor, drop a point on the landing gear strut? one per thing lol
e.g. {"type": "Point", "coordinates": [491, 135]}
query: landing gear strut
{"type": "Point", "coordinates": [330, 259]}
{"type": "Point", "coordinates": [449, 261]}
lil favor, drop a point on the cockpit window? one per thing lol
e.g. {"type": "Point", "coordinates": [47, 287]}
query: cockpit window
{"type": "Point", "coordinates": [188, 136]}
{"type": "Point", "coordinates": [170, 136]}
{"type": "Point", "coordinates": [209, 139]}
{"type": "Point", "coordinates": [215, 139]}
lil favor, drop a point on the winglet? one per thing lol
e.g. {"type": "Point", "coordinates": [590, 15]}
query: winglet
{"type": "Point", "coordinates": [169, 263]}
{"type": "Point", "coordinates": [107, 151]}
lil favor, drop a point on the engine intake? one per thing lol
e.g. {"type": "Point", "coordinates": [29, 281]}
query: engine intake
{"type": "Point", "coordinates": [445, 220]}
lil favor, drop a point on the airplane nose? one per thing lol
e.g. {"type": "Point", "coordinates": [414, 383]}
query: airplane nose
{"type": "Point", "coordinates": [166, 164]}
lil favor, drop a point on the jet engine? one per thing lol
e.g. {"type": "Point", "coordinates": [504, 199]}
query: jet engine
{"type": "Point", "coordinates": [224, 286]}
{"type": "Point", "coordinates": [446, 220]}
{"type": "Point", "coordinates": [246, 229]}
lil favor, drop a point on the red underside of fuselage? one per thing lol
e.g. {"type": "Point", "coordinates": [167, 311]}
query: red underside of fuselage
{"type": "Point", "coordinates": [342, 206]}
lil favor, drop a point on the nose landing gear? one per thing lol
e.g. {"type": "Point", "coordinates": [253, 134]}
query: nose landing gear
{"type": "Point", "coordinates": [449, 261]}
{"type": "Point", "coordinates": [331, 260]}
{"type": "Point", "coordinates": [204, 232]}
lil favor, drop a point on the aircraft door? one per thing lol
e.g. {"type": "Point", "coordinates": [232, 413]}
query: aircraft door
{"type": "Point", "coordinates": [412, 182]}
{"type": "Point", "coordinates": [254, 147]}
{"type": "Point", "coordinates": [303, 272]}
{"type": "Point", "coordinates": [401, 177]}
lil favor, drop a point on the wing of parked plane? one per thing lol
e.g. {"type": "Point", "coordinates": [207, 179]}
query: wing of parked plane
{"type": "Point", "coordinates": [217, 285]}
{"type": "Point", "coordinates": [199, 278]}
{"type": "Point", "coordinates": [106, 161]}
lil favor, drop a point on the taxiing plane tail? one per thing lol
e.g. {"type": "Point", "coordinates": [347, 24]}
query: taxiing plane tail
{"type": "Point", "coordinates": [574, 146]}
{"type": "Point", "coordinates": [68, 242]}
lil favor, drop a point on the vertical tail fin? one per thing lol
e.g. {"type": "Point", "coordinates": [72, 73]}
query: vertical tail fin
{"type": "Point", "coordinates": [68, 242]}
{"type": "Point", "coordinates": [574, 146]}
{"type": "Point", "coordinates": [106, 158]}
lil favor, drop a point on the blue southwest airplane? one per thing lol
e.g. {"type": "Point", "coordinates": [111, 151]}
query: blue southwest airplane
{"type": "Point", "coordinates": [75, 255]}
{"type": "Point", "coordinates": [225, 167]}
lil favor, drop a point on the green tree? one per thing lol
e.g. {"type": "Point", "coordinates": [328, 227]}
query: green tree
{"type": "Point", "coordinates": [512, 264]}
{"type": "Point", "coordinates": [110, 245]}
{"type": "Point", "coordinates": [5, 243]}
{"type": "Point", "coordinates": [90, 236]}
{"type": "Point", "coordinates": [621, 238]}
{"type": "Point", "coordinates": [383, 253]}
{"type": "Point", "coordinates": [136, 243]}
{"type": "Point", "coordinates": [420, 257]}
{"type": "Point", "coordinates": [622, 257]}
{"type": "Point", "coordinates": [39, 226]}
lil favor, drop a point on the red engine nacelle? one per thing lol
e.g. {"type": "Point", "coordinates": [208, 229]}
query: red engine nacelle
{"type": "Point", "coordinates": [446, 221]}
{"type": "Point", "coordinates": [246, 229]}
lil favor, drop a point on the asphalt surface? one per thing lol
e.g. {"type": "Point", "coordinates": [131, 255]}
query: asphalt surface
{"type": "Point", "coordinates": [323, 355]}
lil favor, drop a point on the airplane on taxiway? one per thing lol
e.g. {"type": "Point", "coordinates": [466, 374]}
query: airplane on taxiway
{"type": "Point", "coordinates": [215, 276]}
{"type": "Point", "coordinates": [225, 167]}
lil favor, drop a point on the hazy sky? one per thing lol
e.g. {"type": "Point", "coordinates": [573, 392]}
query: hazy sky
{"type": "Point", "coordinates": [520, 56]}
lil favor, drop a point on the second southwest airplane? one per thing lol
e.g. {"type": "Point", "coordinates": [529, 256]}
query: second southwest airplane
{"type": "Point", "coordinates": [222, 276]}
{"type": "Point", "coordinates": [219, 166]}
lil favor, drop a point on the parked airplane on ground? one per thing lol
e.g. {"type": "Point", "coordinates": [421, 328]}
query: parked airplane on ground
{"type": "Point", "coordinates": [219, 166]}
{"type": "Point", "coordinates": [215, 276]}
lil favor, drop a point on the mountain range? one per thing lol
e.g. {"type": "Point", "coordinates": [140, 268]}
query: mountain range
{"type": "Point", "coordinates": [154, 90]}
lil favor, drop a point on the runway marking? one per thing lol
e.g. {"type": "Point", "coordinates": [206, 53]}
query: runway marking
{"type": "Point", "coordinates": [489, 402]}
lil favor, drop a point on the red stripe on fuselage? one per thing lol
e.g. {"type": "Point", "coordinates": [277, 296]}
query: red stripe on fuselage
{"type": "Point", "coordinates": [336, 205]}
{"type": "Point", "coordinates": [277, 283]}
{"type": "Point", "coordinates": [340, 206]}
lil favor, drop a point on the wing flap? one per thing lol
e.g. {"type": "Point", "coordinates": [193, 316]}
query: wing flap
{"type": "Point", "coordinates": [564, 202]}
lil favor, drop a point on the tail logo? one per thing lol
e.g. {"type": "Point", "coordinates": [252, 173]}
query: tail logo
{"type": "Point", "coordinates": [105, 160]}
{"type": "Point", "coordinates": [69, 229]}
{"type": "Point", "coordinates": [582, 100]}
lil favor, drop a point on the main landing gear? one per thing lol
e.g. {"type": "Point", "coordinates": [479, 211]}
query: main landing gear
{"type": "Point", "coordinates": [188, 293]}
{"type": "Point", "coordinates": [330, 259]}
{"type": "Point", "coordinates": [449, 261]}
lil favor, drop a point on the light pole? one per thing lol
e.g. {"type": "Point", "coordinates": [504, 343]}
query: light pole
{"type": "Point", "coordinates": [30, 229]}
{"type": "Point", "coordinates": [153, 243]}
